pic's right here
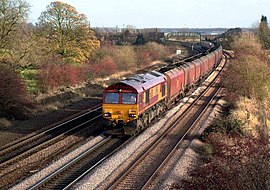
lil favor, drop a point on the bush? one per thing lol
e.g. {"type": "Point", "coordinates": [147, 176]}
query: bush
{"type": "Point", "coordinates": [14, 99]}
{"type": "Point", "coordinates": [106, 51]}
{"type": "Point", "coordinates": [125, 58]}
{"type": "Point", "coordinates": [237, 163]}
{"type": "Point", "coordinates": [225, 125]}
{"type": "Point", "coordinates": [143, 56]}
{"type": "Point", "coordinates": [157, 51]}
{"type": "Point", "coordinates": [53, 75]}
{"type": "Point", "coordinates": [105, 67]}
{"type": "Point", "coordinates": [249, 74]}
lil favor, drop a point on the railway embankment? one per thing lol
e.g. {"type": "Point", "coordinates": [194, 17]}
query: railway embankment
{"type": "Point", "coordinates": [234, 150]}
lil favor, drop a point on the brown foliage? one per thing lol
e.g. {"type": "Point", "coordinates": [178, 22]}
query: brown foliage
{"type": "Point", "coordinates": [105, 67]}
{"type": "Point", "coordinates": [58, 74]}
{"type": "Point", "coordinates": [143, 56]}
{"type": "Point", "coordinates": [13, 94]}
{"type": "Point", "coordinates": [249, 73]}
{"type": "Point", "coordinates": [157, 51]}
{"type": "Point", "coordinates": [125, 58]}
{"type": "Point", "coordinates": [110, 59]}
{"type": "Point", "coordinates": [237, 163]}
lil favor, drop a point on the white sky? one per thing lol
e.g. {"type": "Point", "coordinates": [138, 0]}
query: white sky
{"type": "Point", "coordinates": [165, 13]}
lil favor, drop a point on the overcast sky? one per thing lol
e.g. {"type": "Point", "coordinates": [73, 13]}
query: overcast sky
{"type": "Point", "coordinates": [165, 13]}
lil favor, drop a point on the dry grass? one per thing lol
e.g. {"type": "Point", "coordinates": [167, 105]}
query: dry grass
{"type": "Point", "coordinates": [237, 148]}
{"type": "Point", "coordinates": [247, 110]}
{"type": "Point", "coordinates": [4, 123]}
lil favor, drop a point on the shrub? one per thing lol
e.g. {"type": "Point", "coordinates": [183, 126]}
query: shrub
{"type": "Point", "coordinates": [237, 163]}
{"type": "Point", "coordinates": [53, 76]}
{"type": "Point", "coordinates": [249, 74]}
{"type": "Point", "coordinates": [157, 51]}
{"type": "Point", "coordinates": [225, 125]}
{"type": "Point", "coordinates": [105, 67]}
{"type": "Point", "coordinates": [14, 99]}
{"type": "Point", "coordinates": [106, 51]}
{"type": "Point", "coordinates": [125, 58]}
{"type": "Point", "coordinates": [143, 56]}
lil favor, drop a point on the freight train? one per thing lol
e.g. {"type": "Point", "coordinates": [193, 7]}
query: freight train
{"type": "Point", "coordinates": [131, 104]}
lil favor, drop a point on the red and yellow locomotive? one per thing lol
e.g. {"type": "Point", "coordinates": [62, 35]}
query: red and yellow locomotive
{"type": "Point", "coordinates": [130, 105]}
{"type": "Point", "coordinates": [127, 104]}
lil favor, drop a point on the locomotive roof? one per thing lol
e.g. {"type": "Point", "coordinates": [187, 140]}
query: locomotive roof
{"type": "Point", "coordinates": [140, 82]}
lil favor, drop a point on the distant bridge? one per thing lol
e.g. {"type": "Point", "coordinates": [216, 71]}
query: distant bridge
{"type": "Point", "coordinates": [184, 36]}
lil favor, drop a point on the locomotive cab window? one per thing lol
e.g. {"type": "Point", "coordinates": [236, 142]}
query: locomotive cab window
{"type": "Point", "coordinates": [129, 98]}
{"type": "Point", "coordinates": [163, 90]}
{"type": "Point", "coordinates": [141, 98]}
{"type": "Point", "coordinates": [111, 98]}
{"type": "Point", "coordinates": [147, 96]}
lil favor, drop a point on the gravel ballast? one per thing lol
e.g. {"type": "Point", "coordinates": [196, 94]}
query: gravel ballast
{"type": "Point", "coordinates": [27, 183]}
{"type": "Point", "coordinates": [105, 173]}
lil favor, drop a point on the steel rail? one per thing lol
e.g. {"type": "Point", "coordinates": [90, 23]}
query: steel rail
{"type": "Point", "coordinates": [70, 181]}
{"type": "Point", "coordinates": [5, 149]}
{"type": "Point", "coordinates": [155, 143]}
{"type": "Point", "coordinates": [63, 168]}
{"type": "Point", "coordinates": [179, 142]}
{"type": "Point", "coordinates": [42, 144]}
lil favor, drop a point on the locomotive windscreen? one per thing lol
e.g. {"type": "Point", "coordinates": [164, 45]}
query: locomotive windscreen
{"type": "Point", "coordinates": [112, 98]}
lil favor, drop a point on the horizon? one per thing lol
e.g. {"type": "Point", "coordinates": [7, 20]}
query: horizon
{"type": "Point", "coordinates": [164, 14]}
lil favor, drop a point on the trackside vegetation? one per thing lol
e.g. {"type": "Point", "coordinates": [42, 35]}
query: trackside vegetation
{"type": "Point", "coordinates": [60, 51]}
{"type": "Point", "coordinates": [236, 149]}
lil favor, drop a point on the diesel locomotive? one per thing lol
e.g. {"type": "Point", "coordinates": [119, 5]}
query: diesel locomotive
{"type": "Point", "coordinates": [131, 104]}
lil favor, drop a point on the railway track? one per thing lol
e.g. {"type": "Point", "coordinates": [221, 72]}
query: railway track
{"type": "Point", "coordinates": [9, 155]}
{"type": "Point", "coordinates": [31, 144]}
{"type": "Point", "coordinates": [141, 173]}
{"type": "Point", "coordinates": [20, 151]}
{"type": "Point", "coordinates": [73, 171]}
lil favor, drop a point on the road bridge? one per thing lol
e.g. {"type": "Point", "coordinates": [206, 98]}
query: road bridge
{"type": "Point", "coordinates": [184, 36]}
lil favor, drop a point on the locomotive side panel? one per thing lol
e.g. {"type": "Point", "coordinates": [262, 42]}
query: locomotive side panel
{"type": "Point", "coordinates": [152, 96]}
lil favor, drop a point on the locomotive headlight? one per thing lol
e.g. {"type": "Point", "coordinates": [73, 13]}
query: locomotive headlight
{"type": "Point", "coordinates": [108, 114]}
{"type": "Point", "coordinates": [132, 115]}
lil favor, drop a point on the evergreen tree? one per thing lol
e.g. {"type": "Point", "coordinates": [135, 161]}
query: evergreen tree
{"type": "Point", "coordinates": [264, 33]}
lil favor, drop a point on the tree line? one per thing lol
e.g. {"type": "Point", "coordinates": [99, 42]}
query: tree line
{"type": "Point", "coordinates": [60, 31]}
{"type": "Point", "coordinates": [61, 41]}
{"type": "Point", "coordinates": [60, 50]}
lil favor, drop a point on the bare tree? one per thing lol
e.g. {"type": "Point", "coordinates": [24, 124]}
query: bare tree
{"type": "Point", "coordinates": [12, 13]}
